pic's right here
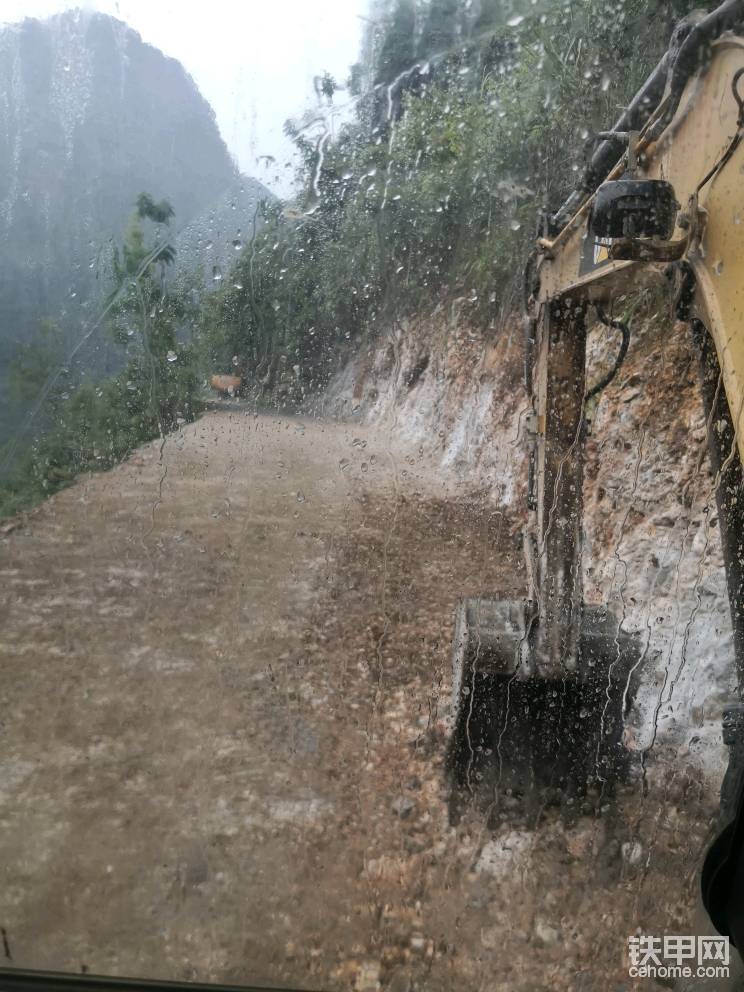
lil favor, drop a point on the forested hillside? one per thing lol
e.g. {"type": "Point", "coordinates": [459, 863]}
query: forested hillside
{"type": "Point", "coordinates": [468, 120]}
{"type": "Point", "coordinates": [462, 121]}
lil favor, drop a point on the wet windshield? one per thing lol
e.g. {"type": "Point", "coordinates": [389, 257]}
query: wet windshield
{"type": "Point", "coordinates": [370, 383]}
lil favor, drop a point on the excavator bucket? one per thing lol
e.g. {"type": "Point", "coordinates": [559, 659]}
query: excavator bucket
{"type": "Point", "coordinates": [540, 686]}
{"type": "Point", "coordinates": [519, 740]}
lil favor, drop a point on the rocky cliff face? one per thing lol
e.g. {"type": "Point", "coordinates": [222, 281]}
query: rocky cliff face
{"type": "Point", "coordinates": [652, 546]}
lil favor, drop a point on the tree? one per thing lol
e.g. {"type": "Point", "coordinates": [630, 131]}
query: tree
{"type": "Point", "coordinates": [88, 425]}
{"type": "Point", "coordinates": [325, 87]}
{"type": "Point", "coordinates": [135, 252]}
{"type": "Point", "coordinates": [35, 362]}
{"type": "Point", "coordinates": [146, 318]}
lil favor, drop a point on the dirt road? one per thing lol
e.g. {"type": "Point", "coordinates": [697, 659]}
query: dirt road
{"type": "Point", "coordinates": [224, 681]}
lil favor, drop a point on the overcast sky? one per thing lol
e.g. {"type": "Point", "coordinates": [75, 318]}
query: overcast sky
{"type": "Point", "coordinates": [253, 60]}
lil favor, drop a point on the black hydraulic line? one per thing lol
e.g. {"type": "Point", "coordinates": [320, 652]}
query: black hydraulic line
{"type": "Point", "coordinates": [624, 345]}
{"type": "Point", "coordinates": [688, 46]}
{"type": "Point", "coordinates": [691, 53]}
{"type": "Point", "coordinates": [609, 152]}
{"type": "Point", "coordinates": [19, 980]}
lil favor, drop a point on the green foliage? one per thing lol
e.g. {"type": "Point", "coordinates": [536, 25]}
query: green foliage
{"type": "Point", "coordinates": [432, 192]}
{"type": "Point", "coordinates": [92, 426]}
{"type": "Point", "coordinates": [160, 213]}
{"type": "Point", "coordinates": [34, 363]}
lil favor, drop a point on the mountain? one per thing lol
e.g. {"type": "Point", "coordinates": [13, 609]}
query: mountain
{"type": "Point", "coordinates": [91, 116]}
{"type": "Point", "coordinates": [213, 241]}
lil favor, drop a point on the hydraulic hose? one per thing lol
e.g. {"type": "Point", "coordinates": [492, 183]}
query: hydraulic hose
{"type": "Point", "coordinates": [685, 54]}
{"type": "Point", "coordinates": [624, 345]}
{"type": "Point", "coordinates": [690, 56]}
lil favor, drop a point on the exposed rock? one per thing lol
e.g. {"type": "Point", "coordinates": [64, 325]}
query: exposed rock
{"type": "Point", "coordinates": [632, 853]}
{"type": "Point", "coordinates": [545, 933]}
{"type": "Point", "coordinates": [403, 807]}
{"type": "Point", "coordinates": [368, 977]}
{"type": "Point", "coordinates": [418, 943]}
{"type": "Point", "coordinates": [503, 856]}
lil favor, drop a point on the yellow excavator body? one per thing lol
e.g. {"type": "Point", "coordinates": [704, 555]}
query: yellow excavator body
{"type": "Point", "coordinates": [709, 232]}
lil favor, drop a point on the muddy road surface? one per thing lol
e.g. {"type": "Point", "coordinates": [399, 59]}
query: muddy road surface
{"type": "Point", "coordinates": [225, 668]}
